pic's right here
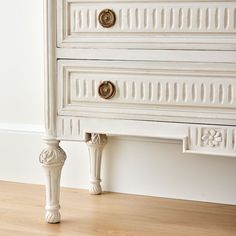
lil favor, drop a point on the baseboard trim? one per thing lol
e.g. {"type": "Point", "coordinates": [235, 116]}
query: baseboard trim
{"type": "Point", "coordinates": [30, 129]}
{"type": "Point", "coordinates": [21, 128]}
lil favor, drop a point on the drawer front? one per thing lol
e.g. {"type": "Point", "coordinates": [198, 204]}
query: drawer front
{"type": "Point", "coordinates": [148, 90]}
{"type": "Point", "coordinates": [148, 24]}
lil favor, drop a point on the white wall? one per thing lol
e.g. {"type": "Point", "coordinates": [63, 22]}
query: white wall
{"type": "Point", "coordinates": [130, 165]}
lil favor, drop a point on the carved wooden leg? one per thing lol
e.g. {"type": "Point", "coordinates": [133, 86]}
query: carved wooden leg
{"type": "Point", "coordinates": [95, 146]}
{"type": "Point", "coordinates": [52, 159]}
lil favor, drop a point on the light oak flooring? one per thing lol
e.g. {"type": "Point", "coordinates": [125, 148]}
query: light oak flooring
{"type": "Point", "coordinates": [22, 213]}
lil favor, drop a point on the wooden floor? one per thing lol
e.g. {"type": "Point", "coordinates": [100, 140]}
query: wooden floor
{"type": "Point", "coordinates": [22, 213]}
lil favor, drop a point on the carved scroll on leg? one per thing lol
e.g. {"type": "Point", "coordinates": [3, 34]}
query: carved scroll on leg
{"type": "Point", "coordinates": [95, 146]}
{"type": "Point", "coordinates": [52, 159]}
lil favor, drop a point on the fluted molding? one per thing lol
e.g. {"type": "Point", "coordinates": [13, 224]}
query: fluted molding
{"type": "Point", "coordinates": [152, 20]}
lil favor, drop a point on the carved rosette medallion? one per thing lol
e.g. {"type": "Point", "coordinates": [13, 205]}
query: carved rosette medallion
{"type": "Point", "coordinates": [52, 156]}
{"type": "Point", "coordinates": [212, 138]}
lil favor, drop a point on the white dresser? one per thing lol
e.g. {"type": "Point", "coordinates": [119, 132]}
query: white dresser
{"type": "Point", "coordinates": [164, 69]}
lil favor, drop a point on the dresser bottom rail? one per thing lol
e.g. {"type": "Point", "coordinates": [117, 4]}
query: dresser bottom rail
{"type": "Point", "coordinates": [197, 138]}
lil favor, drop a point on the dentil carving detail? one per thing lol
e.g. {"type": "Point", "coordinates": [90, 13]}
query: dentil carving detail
{"type": "Point", "coordinates": [212, 138]}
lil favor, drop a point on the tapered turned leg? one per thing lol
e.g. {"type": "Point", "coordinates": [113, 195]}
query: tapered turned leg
{"type": "Point", "coordinates": [52, 159]}
{"type": "Point", "coordinates": [95, 146]}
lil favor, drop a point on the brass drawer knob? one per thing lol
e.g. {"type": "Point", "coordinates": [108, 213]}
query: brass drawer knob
{"type": "Point", "coordinates": [107, 18]}
{"type": "Point", "coordinates": [106, 90]}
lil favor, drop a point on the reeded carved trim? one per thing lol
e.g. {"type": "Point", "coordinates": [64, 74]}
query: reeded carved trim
{"type": "Point", "coordinates": [185, 87]}
{"type": "Point", "coordinates": [68, 128]}
{"type": "Point", "coordinates": [179, 91]}
{"type": "Point", "coordinates": [79, 26]}
{"type": "Point", "coordinates": [204, 17]}
{"type": "Point", "coordinates": [50, 111]}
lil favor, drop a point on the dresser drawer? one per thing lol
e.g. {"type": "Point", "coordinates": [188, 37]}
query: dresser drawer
{"type": "Point", "coordinates": [136, 24]}
{"type": "Point", "coordinates": [173, 91]}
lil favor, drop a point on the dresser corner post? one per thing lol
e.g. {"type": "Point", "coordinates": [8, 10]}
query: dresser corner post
{"type": "Point", "coordinates": [95, 144]}
{"type": "Point", "coordinates": [52, 159]}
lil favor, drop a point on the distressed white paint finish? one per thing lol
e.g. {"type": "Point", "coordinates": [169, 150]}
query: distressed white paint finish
{"type": "Point", "coordinates": [170, 91]}
{"type": "Point", "coordinates": [159, 83]}
{"type": "Point", "coordinates": [146, 23]}
{"type": "Point", "coordinates": [166, 96]}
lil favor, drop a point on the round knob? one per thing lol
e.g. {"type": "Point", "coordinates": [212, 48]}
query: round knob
{"type": "Point", "coordinates": [107, 18]}
{"type": "Point", "coordinates": [107, 90]}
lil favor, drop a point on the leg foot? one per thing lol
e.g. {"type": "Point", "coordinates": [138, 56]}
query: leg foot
{"type": "Point", "coordinates": [95, 146]}
{"type": "Point", "coordinates": [52, 159]}
{"type": "Point", "coordinates": [95, 187]}
{"type": "Point", "coordinates": [53, 217]}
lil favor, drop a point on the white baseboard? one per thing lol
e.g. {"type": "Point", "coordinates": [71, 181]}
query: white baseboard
{"type": "Point", "coordinates": [39, 130]}
{"type": "Point", "coordinates": [21, 128]}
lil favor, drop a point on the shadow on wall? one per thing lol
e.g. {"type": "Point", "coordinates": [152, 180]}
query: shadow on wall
{"type": "Point", "coordinates": [159, 168]}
